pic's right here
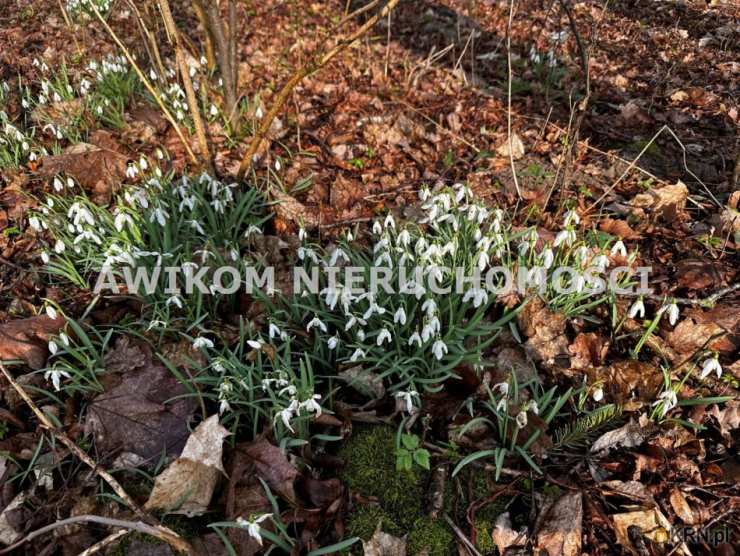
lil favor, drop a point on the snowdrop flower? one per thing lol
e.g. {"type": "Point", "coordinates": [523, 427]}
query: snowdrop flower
{"type": "Point", "coordinates": [34, 223]}
{"type": "Point", "coordinates": [408, 398]}
{"type": "Point", "coordinates": [439, 349]}
{"type": "Point", "coordinates": [383, 336]}
{"type": "Point", "coordinates": [64, 338]}
{"type": "Point", "coordinates": [619, 248]}
{"type": "Point", "coordinates": [533, 407]}
{"type": "Point", "coordinates": [174, 300]}
{"type": "Point", "coordinates": [600, 262]}
{"type": "Point", "coordinates": [357, 354]}
{"type": "Point", "coordinates": [59, 247]}
{"type": "Point", "coordinates": [571, 218]}
{"type": "Point", "coordinates": [400, 316]}
{"type": "Point", "coordinates": [338, 252]}
{"type": "Point", "coordinates": [672, 310]}
{"type": "Point", "coordinates": [598, 394]}
{"type": "Point", "coordinates": [502, 387]}
{"type": "Point", "coordinates": [53, 347]}
{"type": "Point", "coordinates": [478, 295]}
{"type": "Point", "coordinates": [312, 405]}
{"type": "Point", "coordinates": [483, 260]}
{"type": "Point", "coordinates": [521, 419]}
{"type": "Point", "coordinates": [669, 401]}
{"type": "Point", "coordinates": [332, 342]}
{"type": "Point", "coordinates": [160, 215]}
{"type": "Point", "coordinates": [255, 344]}
{"type": "Point", "coordinates": [302, 233]}
{"type": "Point", "coordinates": [121, 220]}
{"type": "Point", "coordinates": [316, 322]}
{"type": "Point", "coordinates": [252, 526]}
{"type": "Point", "coordinates": [285, 416]}
{"type": "Point", "coordinates": [277, 164]}
{"type": "Point", "coordinates": [389, 222]}
{"type": "Point", "coordinates": [567, 237]}
{"type": "Point", "coordinates": [152, 75]}
{"type": "Point", "coordinates": [709, 365]}
{"type": "Point", "coordinates": [58, 185]}
{"type": "Point", "coordinates": [223, 406]}
{"type": "Point", "coordinates": [429, 306]}
{"type": "Point", "coordinates": [55, 375]}
{"type": "Point", "coordinates": [45, 257]}
{"type": "Point", "coordinates": [258, 113]}
{"type": "Point", "coordinates": [201, 343]}
{"type": "Point", "coordinates": [213, 111]}
{"type": "Point", "coordinates": [404, 238]}
{"type": "Point", "coordinates": [132, 171]}
{"type": "Point", "coordinates": [51, 312]}
{"type": "Point", "coordinates": [415, 339]}
{"type": "Point", "coordinates": [377, 228]}
{"type": "Point", "coordinates": [638, 308]}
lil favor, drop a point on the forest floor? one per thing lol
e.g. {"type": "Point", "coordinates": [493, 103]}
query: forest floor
{"type": "Point", "coordinates": [619, 427]}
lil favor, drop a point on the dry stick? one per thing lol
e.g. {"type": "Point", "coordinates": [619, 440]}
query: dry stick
{"type": "Point", "coordinates": [232, 52]}
{"type": "Point", "coordinates": [216, 25]}
{"type": "Point", "coordinates": [100, 545]}
{"type": "Point", "coordinates": [146, 83]}
{"type": "Point", "coordinates": [508, 109]}
{"type": "Point", "coordinates": [297, 77]}
{"type": "Point", "coordinates": [159, 532]}
{"type": "Point", "coordinates": [200, 12]}
{"type": "Point", "coordinates": [639, 156]}
{"type": "Point", "coordinates": [174, 36]}
{"type": "Point", "coordinates": [107, 477]}
{"type": "Point", "coordinates": [463, 538]}
{"type": "Point", "coordinates": [150, 41]}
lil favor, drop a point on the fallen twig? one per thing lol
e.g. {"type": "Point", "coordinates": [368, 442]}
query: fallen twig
{"type": "Point", "coordinates": [463, 538]}
{"type": "Point", "coordinates": [157, 531]}
{"type": "Point", "coordinates": [297, 77]}
{"type": "Point", "coordinates": [508, 98]}
{"type": "Point", "coordinates": [100, 545]}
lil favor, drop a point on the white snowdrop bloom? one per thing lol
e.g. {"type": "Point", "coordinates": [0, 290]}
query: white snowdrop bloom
{"type": "Point", "coordinates": [255, 344]}
{"type": "Point", "coordinates": [143, 164]}
{"type": "Point", "coordinates": [383, 336]}
{"type": "Point", "coordinates": [483, 260]}
{"type": "Point", "coordinates": [673, 312]}
{"type": "Point", "coordinates": [336, 255]}
{"type": "Point", "coordinates": [174, 300]}
{"type": "Point", "coordinates": [429, 306]}
{"type": "Point", "coordinates": [404, 238]}
{"type": "Point", "coordinates": [389, 222]}
{"type": "Point", "coordinates": [408, 398]}
{"type": "Point", "coordinates": [567, 237]}
{"type": "Point", "coordinates": [400, 316]}
{"type": "Point", "coordinates": [197, 227]}
{"type": "Point", "coordinates": [638, 308]}
{"type": "Point", "coordinates": [521, 419]}
{"type": "Point", "coordinates": [598, 394]}
{"type": "Point", "coordinates": [571, 218]}
{"type": "Point", "coordinates": [600, 262]}
{"type": "Point", "coordinates": [58, 185]}
{"type": "Point", "coordinates": [709, 365]}
{"type": "Point", "coordinates": [34, 223]}
{"type": "Point", "coordinates": [64, 339]}
{"type": "Point", "coordinates": [439, 349]}
{"type": "Point", "coordinates": [258, 113]}
{"type": "Point", "coordinates": [160, 215]}
{"type": "Point", "coordinates": [302, 234]}
{"type": "Point", "coordinates": [502, 387]}
{"type": "Point", "coordinates": [70, 183]}
{"type": "Point", "coordinates": [278, 166]}
{"type": "Point", "coordinates": [582, 253]}
{"type": "Point", "coordinates": [45, 257]}
{"type": "Point", "coordinates": [53, 347]}
{"type": "Point", "coordinates": [312, 404]}
{"type": "Point", "coordinates": [415, 339]}
{"type": "Point", "coordinates": [55, 375]}
{"type": "Point", "coordinates": [357, 354]}
{"type": "Point", "coordinates": [377, 228]}
{"type": "Point", "coordinates": [51, 312]}
{"type": "Point", "coordinates": [223, 406]}
{"type": "Point", "coordinates": [668, 399]}
{"type": "Point", "coordinates": [479, 296]}
{"type": "Point", "coordinates": [252, 525]}
{"type": "Point", "coordinates": [201, 343]}
{"type": "Point", "coordinates": [132, 171]}
{"type": "Point", "coordinates": [316, 321]}
{"type": "Point", "coordinates": [332, 342]}
{"type": "Point", "coordinates": [579, 282]}
{"type": "Point", "coordinates": [533, 407]}
{"type": "Point", "coordinates": [122, 219]}
{"type": "Point", "coordinates": [32, 157]}
{"type": "Point", "coordinates": [619, 248]}
{"type": "Point", "coordinates": [59, 247]}
{"type": "Point", "coordinates": [159, 153]}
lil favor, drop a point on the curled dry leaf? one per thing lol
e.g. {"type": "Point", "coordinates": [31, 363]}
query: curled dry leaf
{"type": "Point", "coordinates": [717, 330]}
{"type": "Point", "coordinates": [588, 350]}
{"type": "Point", "coordinates": [504, 535]}
{"type": "Point", "coordinates": [630, 379]}
{"type": "Point", "coordinates": [618, 228]}
{"type": "Point", "coordinates": [728, 418]}
{"type": "Point", "coordinates": [97, 169]}
{"type": "Point", "coordinates": [27, 339]}
{"type": "Point", "coordinates": [517, 147]}
{"type": "Point", "coordinates": [364, 382]}
{"type": "Point", "coordinates": [273, 466]}
{"type": "Point", "coordinates": [545, 330]}
{"type": "Point", "coordinates": [681, 506]}
{"type": "Point", "coordinates": [133, 414]}
{"type": "Point", "coordinates": [651, 524]}
{"type": "Point", "coordinates": [665, 203]}
{"type": "Point", "coordinates": [292, 210]}
{"type": "Point", "coordinates": [187, 485]}
{"type": "Point", "coordinates": [561, 522]}
{"type": "Point", "coordinates": [627, 436]}
{"type": "Point", "coordinates": [383, 544]}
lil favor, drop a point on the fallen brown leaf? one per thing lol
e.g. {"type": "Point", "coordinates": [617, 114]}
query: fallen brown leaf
{"type": "Point", "coordinates": [665, 203]}
{"type": "Point", "coordinates": [27, 339]}
{"type": "Point", "coordinates": [273, 466]}
{"type": "Point", "coordinates": [560, 532]}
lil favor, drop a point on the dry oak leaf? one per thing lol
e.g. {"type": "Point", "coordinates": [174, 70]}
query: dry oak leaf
{"type": "Point", "coordinates": [651, 524]}
{"type": "Point", "coordinates": [27, 339]}
{"type": "Point", "coordinates": [383, 544]}
{"type": "Point", "coordinates": [187, 485]}
{"type": "Point", "coordinates": [560, 532]}
{"type": "Point", "coordinates": [96, 169]}
{"type": "Point", "coordinates": [545, 330]}
{"type": "Point", "coordinates": [273, 466]}
{"type": "Point", "coordinates": [292, 210]}
{"type": "Point", "coordinates": [681, 506]}
{"type": "Point", "coordinates": [517, 147]}
{"type": "Point", "coordinates": [618, 228]}
{"type": "Point", "coordinates": [630, 435]}
{"type": "Point", "coordinates": [728, 418]}
{"type": "Point", "coordinates": [717, 329]}
{"type": "Point", "coordinates": [135, 413]}
{"type": "Point", "coordinates": [588, 350]}
{"type": "Point", "coordinates": [665, 202]}
{"type": "Point", "coordinates": [631, 379]}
